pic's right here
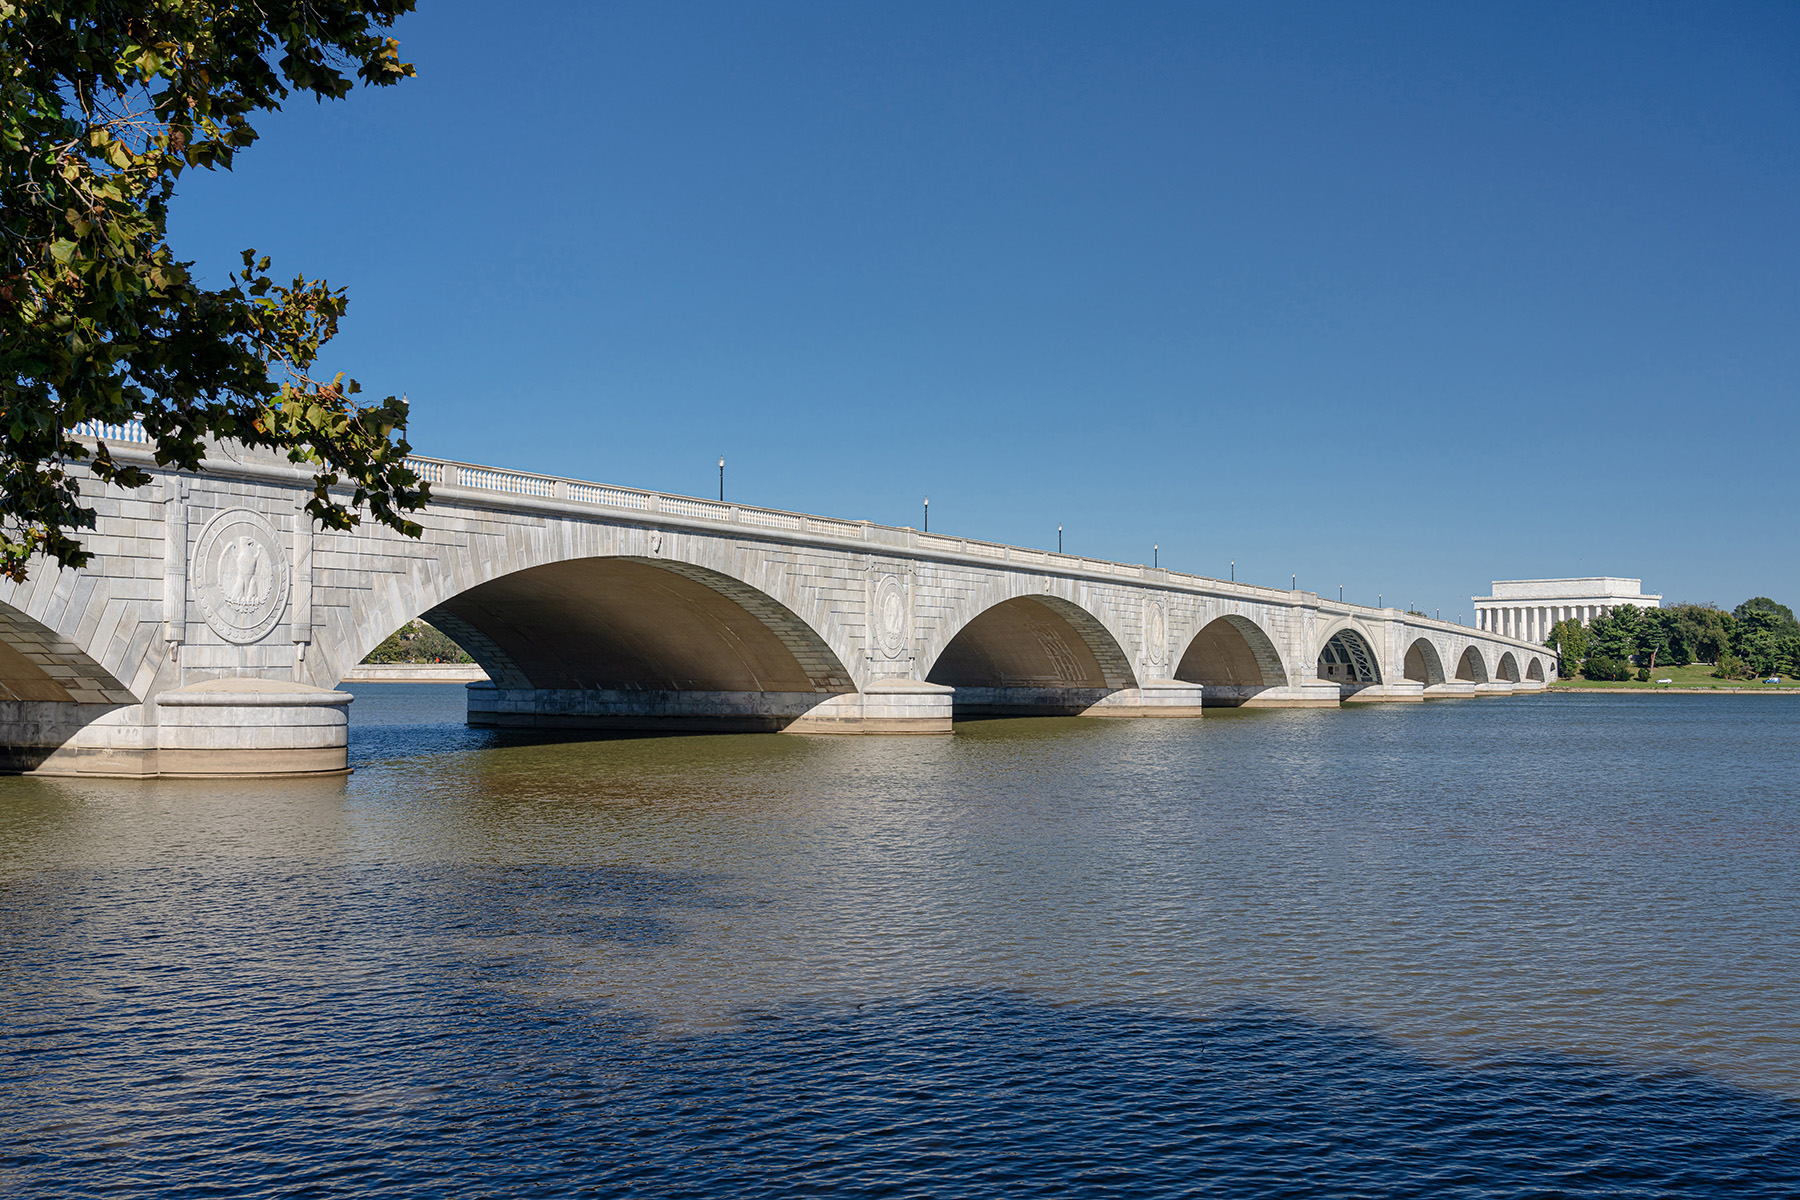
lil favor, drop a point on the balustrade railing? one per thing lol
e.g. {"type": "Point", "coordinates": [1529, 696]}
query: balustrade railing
{"type": "Point", "coordinates": [443, 472]}
{"type": "Point", "coordinates": [130, 431]}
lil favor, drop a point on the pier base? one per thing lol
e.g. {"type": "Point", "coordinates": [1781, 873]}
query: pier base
{"type": "Point", "coordinates": [1308, 693]}
{"type": "Point", "coordinates": [901, 706]}
{"type": "Point", "coordinates": [222, 727]}
{"type": "Point", "coordinates": [1154, 698]}
{"type": "Point", "coordinates": [1404, 691]}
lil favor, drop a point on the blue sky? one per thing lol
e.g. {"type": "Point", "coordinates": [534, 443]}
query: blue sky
{"type": "Point", "coordinates": [1405, 298]}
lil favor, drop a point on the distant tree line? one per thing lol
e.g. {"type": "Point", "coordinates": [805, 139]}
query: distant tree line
{"type": "Point", "coordinates": [417, 642]}
{"type": "Point", "coordinates": [1758, 638]}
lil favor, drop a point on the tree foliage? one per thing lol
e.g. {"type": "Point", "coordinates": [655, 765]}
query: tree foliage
{"type": "Point", "coordinates": [1569, 639]}
{"type": "Point", "coordinates": [1781, 613]}
{"type": "Point", "coordinates": [418, 642]}
{"type": "Point", "coordinates": [1757, 639]}
{"type": "Point", "coordinates": [1605, 669]}
{"type": "Point", "coordinates": [1614, 635]}
{"type": "Point", "coordinates": [1767, 638]}
{"type": "Point", "coordinates": [1696, 632]}
{"type": "Point", "coordinates": [103, 105]}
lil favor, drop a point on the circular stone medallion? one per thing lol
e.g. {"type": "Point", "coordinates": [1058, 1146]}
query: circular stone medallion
{"type": "Point", "coordinates": [1156, 632]}
{"type": "Point", "coordinates": [891, 617]}
{"type": "Point", "coordinates": [240, 575]}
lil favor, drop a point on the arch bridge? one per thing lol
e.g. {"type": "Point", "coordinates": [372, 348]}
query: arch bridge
{"type": "Point", "coordinates": [210, 629]}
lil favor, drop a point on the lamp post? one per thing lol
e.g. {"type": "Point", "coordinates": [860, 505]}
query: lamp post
{"type": "Point", "coordinates": [1155, 555]}
{"type": "Point", "coordinates": [1234, 570]}
{"type": "Point", "coordinates": [928, 514]}
{"type": "Point", "coordinates": [1293, 583]}
{"type": "Point", "coordinates": [1340, 593]}
{"type": "Point", "coordinates": [721, 479]}
{"type": "Point", "coordinates": [1059, 539]}
{"type": "Point", "coordinates": [1377, 599]}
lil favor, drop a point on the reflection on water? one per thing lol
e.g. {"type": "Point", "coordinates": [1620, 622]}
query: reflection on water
{"type": "Point", "coordinates": [1539, 945]}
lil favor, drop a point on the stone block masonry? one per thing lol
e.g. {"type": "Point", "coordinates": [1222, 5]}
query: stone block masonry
{"type": "Point", "coordinates": [210, 632]}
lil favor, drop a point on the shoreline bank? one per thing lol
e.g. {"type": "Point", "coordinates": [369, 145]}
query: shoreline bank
{"type": "Point", "coordinates": [1673, 691]}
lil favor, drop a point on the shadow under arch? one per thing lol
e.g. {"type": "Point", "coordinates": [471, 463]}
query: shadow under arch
{"type": "Point", "coordinates": [1233, 660]}
{"type": "Point", "coordinates": [1032, 655]}
{"type": "Point", "coordinates": [1536, 670]}
{"type": "Point", "coordinates": [1509, 668]}
{"type": "Point", "coordinates": [637, 643]}
{"type": "Point", "coordinates": [50, 690]}
{"type": "Point", "coordinates": [1422, 663]}
{"type": "Point", "coordinates": [1471, 667]}
{"type": "Point", "coordinates": [1348, 660]}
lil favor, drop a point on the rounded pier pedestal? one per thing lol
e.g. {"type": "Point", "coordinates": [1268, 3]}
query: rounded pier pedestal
{"type": "Point", "coordinates": [252, 727]}
{"type": "Point", "coordinates": [1153, 698]}
{"type": "Point", "coordinates": [1401, 690]}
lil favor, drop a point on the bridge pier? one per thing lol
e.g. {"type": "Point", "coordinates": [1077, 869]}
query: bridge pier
{"type": "Point", "coordinates": [1151, 698]}
{"type": "Point", "coordinates": [222, 727]}
{"type": "Point", "coordinates": [1401, 690]}
{"type": "Point", "coordinates": [1308, 693]}
{"type": "Point", "coordinates": [885, 707]}
{"type": "Point", "coordinates": [63, 738]}
{"type": "Point", "coordinates": [252, 727]}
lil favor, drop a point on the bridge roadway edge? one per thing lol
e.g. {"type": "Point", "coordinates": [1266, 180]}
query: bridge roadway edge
{"type": "Point", "coordinates": [125, 671]}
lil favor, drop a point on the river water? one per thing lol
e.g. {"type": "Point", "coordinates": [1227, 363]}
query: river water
{"type": "Point", "coordinates": [1540, 946]}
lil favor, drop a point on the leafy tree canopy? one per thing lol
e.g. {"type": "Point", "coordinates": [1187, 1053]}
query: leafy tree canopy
{"type": "Point", "coordinates": [1613, 635]}
{"type": "Point", "coordinates": [418, 642]}
{"type": "Point", "coordinates": [1569, 639]}
{"type": "Point", "coordinates": [103, 105]}
{"type": "Point", "coordinates": [1782, 614]}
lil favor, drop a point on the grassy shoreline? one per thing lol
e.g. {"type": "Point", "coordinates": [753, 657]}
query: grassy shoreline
{"type": "Point", "coordinates": [1695, 678]}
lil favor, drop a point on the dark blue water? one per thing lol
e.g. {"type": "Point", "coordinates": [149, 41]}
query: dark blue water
{"type": "Point", "coordinates": [1531, 947]}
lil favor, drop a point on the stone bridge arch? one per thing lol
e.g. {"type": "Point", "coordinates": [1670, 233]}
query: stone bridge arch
{"type": "Point", "coordinates": [1348, 656]}
{"type": "Point", "coordinates": [39, 665]}
{"type": "Point", "coordinates": [637, 624]}
{"type": "Point", "coordinates": [1013, 648]}
{"type": "Point", "coordinates": [52, 691]}
{"type": "Point", "coordinates": [1423, 663]}
{"type": "Point", "coordinates": [616, 597]}
{"type": "Point", "coordinates": [1234, 659]}
{"type": "Point", "coordinates": [1472, 667]}
{"type": "Point", "coordinates": [1535, 671]}
{"type": "Point", "coordinates": [1508, 668]}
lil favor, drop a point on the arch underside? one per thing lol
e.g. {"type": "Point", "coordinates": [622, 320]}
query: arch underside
{"type": "Point", "coordinates": [637, 643]}
{"type": "Point", "coordinates": [1423, 664]}
{"type": "Point", "coordinates": [1536, 670]}
{"type": "Point", "coordinates": [1032, 655]}
{"type": "Point", "coordinates": [1347, 660]}
{"type": "Point", "coordinates": [50, 690]}
{"type": "Point", "coordinates": [1234, 660]}
{"type": "Point", "coordinates": [1509, 668]}
{"type": "Point", "coordinates": [1471, 667]}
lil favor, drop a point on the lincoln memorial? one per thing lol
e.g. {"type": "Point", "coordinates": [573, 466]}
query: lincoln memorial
{"type": "Point", "coordinates": [1527, 608]}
